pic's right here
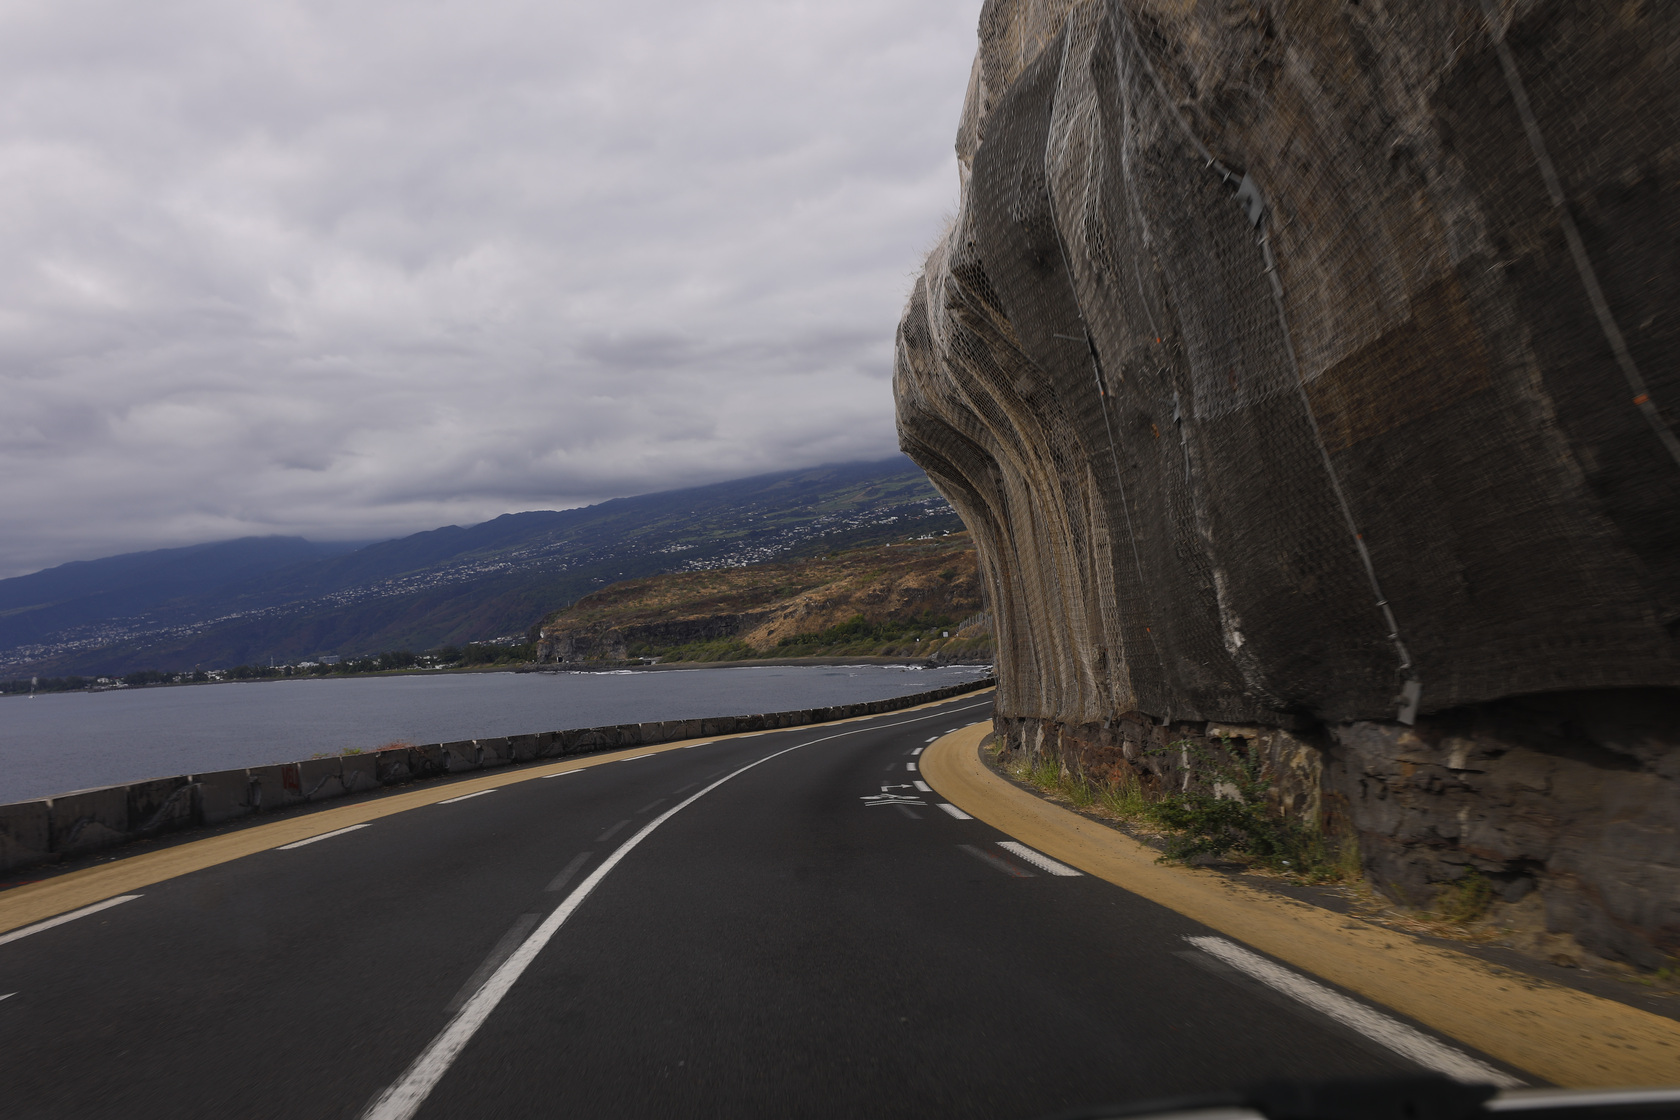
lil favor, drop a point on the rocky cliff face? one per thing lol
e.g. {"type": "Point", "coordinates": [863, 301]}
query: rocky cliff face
{"type": "Point", "coordinates": [1305, 366]}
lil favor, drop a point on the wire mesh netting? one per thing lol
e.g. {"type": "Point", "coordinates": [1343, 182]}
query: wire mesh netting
{"type": "Point", "coordinates": [1272, 375]}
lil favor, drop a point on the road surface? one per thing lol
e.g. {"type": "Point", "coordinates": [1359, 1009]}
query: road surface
{"type": "Point", "coordinates": [810, 933]}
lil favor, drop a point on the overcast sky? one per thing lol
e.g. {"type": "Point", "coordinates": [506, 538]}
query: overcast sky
{"type": "Point", "coordinates": [357, 268]}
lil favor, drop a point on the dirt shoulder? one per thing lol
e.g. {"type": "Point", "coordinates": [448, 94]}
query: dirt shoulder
{"type": "Point", "coordinates": [1511, 937]}
{"type": "Point", "coordinates": [1555, 1028]}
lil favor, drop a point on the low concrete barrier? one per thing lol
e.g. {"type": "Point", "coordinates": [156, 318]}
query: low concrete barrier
{"type": "Point", "coordinates": [49, 829]}
{"type": "Point", "coordinates": [26, 833]}
{"type": "Point", "coordinates": [220, 795]}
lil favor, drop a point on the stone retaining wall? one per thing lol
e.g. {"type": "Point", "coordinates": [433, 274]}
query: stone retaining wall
{"type": "Point", "coordinates": [1570, 797]}
{"type": "Point", "coordinates": [49, 829]}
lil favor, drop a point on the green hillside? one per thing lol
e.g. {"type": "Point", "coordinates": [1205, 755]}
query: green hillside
{"type": "Point", "coordinates": [456, 585]}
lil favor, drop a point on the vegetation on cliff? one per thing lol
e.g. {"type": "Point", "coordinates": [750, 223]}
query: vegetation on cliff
{"type": "Point", "coordinates": [254, 602]}
{"type": "Point", "coordinates": [1230, 815]}
{"type": "Point", "coordinates": [917, 598]}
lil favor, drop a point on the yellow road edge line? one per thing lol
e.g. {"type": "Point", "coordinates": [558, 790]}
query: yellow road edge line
{"type": "Point", "coordinates": [1568, 1037]}
{"type": "Point", "coordinates": [35, 902]}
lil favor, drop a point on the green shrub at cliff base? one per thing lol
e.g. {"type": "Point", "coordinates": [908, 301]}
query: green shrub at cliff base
{"type": "Point", "coordinates": [1231, 816]}
{"type": "Point", "coordinates": [1464, 901]}
{"type": "Point", "coordinates": [1124, 798]}
{"type": "Point", "coordinates": [1231, 819]}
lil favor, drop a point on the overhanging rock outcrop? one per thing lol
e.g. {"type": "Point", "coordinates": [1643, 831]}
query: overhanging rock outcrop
{"type": "Point", "coordinates": [1314, 365]}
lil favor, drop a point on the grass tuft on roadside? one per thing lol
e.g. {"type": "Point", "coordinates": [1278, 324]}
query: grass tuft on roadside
{"type": "Point", "coordinates": [1230, 820]}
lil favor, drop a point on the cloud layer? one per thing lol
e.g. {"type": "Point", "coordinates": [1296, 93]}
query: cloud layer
{"type": "Point", "coordinates": [358, 268]}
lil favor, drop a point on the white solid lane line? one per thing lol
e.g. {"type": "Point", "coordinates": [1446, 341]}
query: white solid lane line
{"type": "Point", "coordinates": [1037, 859]}
{"type": "Point", "coordinates": [20, 934]}
{"type": "Point", "coordinates": [323, 836]}
{"type": "Point", "coordinates": [504, 949]}
{"type": "Point", "coordinates": [923, 786]}
{"type": "Point", "coordinates": [8, 995]}
{"type": "Point", "coordinates": [954, 811]}
{"type": "Point", "coordinates": [405, 1096]}
{"type": "Point", "coordinates": [1414, 1045]}
{"type": "Point", "coordinates": [467, 796]}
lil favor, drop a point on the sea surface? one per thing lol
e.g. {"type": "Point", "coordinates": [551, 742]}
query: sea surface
{"type": "Point", "coordinates": [60, 742]}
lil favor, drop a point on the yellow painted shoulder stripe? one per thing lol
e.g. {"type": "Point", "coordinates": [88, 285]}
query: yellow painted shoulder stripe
{"type": "Point", "coordinates": [35, 902]}
{"type": "Point", "coordinates": [1558, 1034]}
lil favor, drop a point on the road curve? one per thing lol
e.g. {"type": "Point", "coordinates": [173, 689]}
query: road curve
{"type": "Point", "coordinates": [811, 932]}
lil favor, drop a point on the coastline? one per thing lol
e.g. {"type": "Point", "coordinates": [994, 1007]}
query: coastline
{"type": "Point", "coordinates": [746, 662]}
{"type": "Point", "coordinates": [538, 667]}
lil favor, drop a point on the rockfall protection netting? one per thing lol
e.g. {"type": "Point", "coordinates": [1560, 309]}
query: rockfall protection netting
{"type": "Point", "coordinates": [1305, 359]}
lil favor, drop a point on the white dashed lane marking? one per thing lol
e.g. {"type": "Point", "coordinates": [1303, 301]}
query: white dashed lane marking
{"type": "Point", "coordinates": [923, 786]}
{"type": "Point", "coordinates": [323, 836]}
{"type": "Point", "coordinates": [910, 766]}
{"type": "Point", "coordinates": [918, 750]}
{"type": "Point", "coordinates": [20, 934]}
{"type": "Point", "coordinates": [467, 796]}
{"type": "Point", "coordinates": [1037, 859]}
{"type": "Point", "coordinates": [1427, 1052]}
{"type": "Point", "coordinates": [954, 811]}
{"type": "Point", "coordinates": [403, 1098]}
{"type": "Point", "coordinates": [1013, 870]}
{"type": "Point", "coordinates": [610, 833]}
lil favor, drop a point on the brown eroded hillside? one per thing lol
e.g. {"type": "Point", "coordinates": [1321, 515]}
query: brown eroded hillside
{"type": "Point", "coordinates": [906, 599]}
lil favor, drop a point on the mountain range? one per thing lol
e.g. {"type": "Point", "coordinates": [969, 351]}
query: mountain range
{"type": "Point", "coordinates": [258, 599]}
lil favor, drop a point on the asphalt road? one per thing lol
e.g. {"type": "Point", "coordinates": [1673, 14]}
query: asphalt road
{"type": "Point", "coordinates": [813, 936]}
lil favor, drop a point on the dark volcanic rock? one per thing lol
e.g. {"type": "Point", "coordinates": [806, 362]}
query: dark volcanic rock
{"type": "Point", "coordinates": [1286, 359]}
{"type": "Point", "coordinates": [1573, 793]}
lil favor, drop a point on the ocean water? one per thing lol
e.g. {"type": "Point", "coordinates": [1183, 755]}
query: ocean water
{"type": "Point", "coordinates": [65, 741]}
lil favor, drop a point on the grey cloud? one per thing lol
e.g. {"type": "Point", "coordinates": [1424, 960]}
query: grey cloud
{"type": "Point", "coordinates": [363, 268]}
